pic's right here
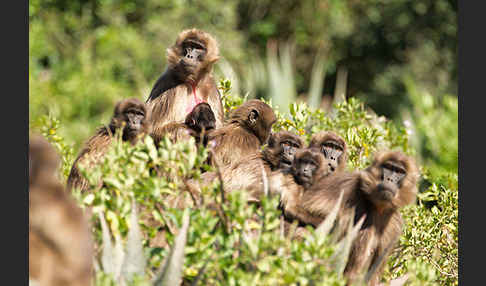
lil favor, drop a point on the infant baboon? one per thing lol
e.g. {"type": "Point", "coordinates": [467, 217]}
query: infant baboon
{"type": "Point", "coordinates": [248, 128]}
{"type": "Point", "coordinates": [198, 123]}
{"type": "Point", "coordinates": [308, 166]}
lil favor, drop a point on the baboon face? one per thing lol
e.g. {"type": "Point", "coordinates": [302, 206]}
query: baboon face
{"type": "Point", "coordinates": [192, 55]}
{"type": "Point", "coordinates": [305, 166]}
{"type": "Point", "coordinates": [289, 146]}
{"type": "Point", "coordinates": [333, 147]}
{"type": "Point", "coordinates": [391, 180]}
{"type": "Point", "coordinates": [332, 150]}
{"type": "Point", "coordinates": [201, 117]}
{"type": "Point", "coordinates": [132, 115]}
{"type": "Point", "coordinates": [193, 52]}
{"type": "Point", "coordinates": [392, 174]}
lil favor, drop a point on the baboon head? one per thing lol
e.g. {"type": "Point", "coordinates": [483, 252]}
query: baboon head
{"type": "Point", "coordinates": [256, 116]}
{"type": "Point", "coordinates": [333, 147]}
{"type": "Point", "coordinates": [131, 115]}
{"type": "Point", "coordinates": [391, 180]}
{"type": "Point", "coordinates": [281, 149]}
{"type": "Point", "coordinates": [193, 54]}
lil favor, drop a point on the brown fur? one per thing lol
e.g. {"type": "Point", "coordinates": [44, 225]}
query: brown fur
{"type": "Point", "coordinates": [96, 147]}
{"type": "Point", "coordinates": [274, 154]}
{"type": "Point", "coordinates": [382, 226]}
{"type": "Point", "coordinates": [174, 94]}
{"type": "Point", "coordinates": [60, 245]}
{"type": "Point", "coordinates": [247, 174]}
{"type": "Point", "coordinates": [43, 161]}
{"type": "Point", "coordinates": [197, 124]}
{"type": "Point", "coordinates": [291, 189]}
{"type": "Point", "coordinates": [321, 137]}
{"type": "Point", "coordinates": [241, 136]}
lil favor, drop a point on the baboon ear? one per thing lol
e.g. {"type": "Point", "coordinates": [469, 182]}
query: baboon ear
{"type": "Point", "coordinates": [253, 116]}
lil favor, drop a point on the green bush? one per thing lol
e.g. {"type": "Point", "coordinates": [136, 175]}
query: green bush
{"type": "Point", "coordinates": [238, 244]}
{"type": "Point", "coordinates": [86, 55]}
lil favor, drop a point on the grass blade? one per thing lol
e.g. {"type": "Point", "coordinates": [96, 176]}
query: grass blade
{"type": "Point", "coordinates": [344, 246]}
{"type": "Point", "coordinates": [135, 261]}
{"type": "Point", "coordinates": [171, 272]}
{"type": "Point", "coordinates": [316, 83]}
{"type": "Point", "coordinates": [325, 227]}
{"type": "Point", "coordinates": [107, 251]}
{"type": "Point", "coordinates": [378, 262]}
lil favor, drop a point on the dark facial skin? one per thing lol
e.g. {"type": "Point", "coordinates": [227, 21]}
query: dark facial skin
{"type": "Point", "coordinates": [134, 118]}
{"type": "Point", "coordinates": [304, 171]}
{"type": "Point", "coordinates": [332, 150]}
{"type": "Point", "coordinates": [194, 51]}
{"type": "Point", "coordinates": [392, 176]}
{"type": "Point", "coordinates": [289, 147]}
{"type": "Point", "coordinates": [202, 117]}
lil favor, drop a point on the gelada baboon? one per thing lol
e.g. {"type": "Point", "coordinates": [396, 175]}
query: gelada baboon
{"type": "Point", "coordinates": [280, 150]}
{"type": "Point", "coordinates": [186, 82]}
{"type": "Point", "coordinates": [60, 245]}
{"type": "Point", "coordinates": [247, 174]}
{"type": "Point", "coordinates": [247, 129]}
{"type": "Point", "coordinates": [377, 192]}
{"type": "Point", "coordinates": [309, 164]}
{"type": "Point", "coordinates": [198, 123]}
{"type": "Point", "coordinates": [43, 161]}
{"type": "Point", "coordinates": [333, 147]}
{"type": "Point", "coordinates": [130, 116]}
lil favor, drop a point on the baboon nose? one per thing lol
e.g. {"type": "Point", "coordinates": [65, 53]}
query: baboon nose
{"type": "Point", "coordinates": [331, 167]}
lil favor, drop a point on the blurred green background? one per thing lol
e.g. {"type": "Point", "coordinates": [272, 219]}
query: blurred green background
{"type": "Point", "coordinates": [398, 56]}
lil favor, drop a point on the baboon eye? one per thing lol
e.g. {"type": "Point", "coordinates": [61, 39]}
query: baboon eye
{"type": "Point", "coordinates": [333, 145]}
{"type": "Point", "coordinates": [394, 168]}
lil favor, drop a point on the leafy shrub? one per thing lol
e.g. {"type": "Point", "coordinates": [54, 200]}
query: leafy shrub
{"type": "Point", "coordinates": [238, 244]}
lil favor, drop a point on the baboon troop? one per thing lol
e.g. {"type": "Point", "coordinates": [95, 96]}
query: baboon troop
{"type": "Point", "coordinates": [377, 193]}
{"type": "Point", "coordinates": [244, 154]}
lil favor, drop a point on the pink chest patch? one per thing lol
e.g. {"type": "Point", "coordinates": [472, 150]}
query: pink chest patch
{"type": "Point", "coordinates": [195, 100]}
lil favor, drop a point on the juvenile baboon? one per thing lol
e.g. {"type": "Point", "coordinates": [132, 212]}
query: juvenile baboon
{"type": "Point", "coordinates": [186, 82]}
{"type": "Point", "coordinates": [280, 150]}
{"type": "Point", "coordinates": [130, 115]}
{"type": "Point", "coordinates": [248, 128]}
{"type": "Point", "coordinates": [308, 165]}
{"type": "Point", "coordinates": [246, 174]}
{"type": "Point", "coordinates": [333, 147]}
{"type": "Point", "coordinates": [197, 124]}
{"type": "Point", "coordinates": [60, 245]}
{"type": "Point", "coordinates": [377, 192]}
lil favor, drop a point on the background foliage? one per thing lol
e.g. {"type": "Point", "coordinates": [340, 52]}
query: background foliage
{"type": "Point", "coordinates": [400, 59]}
